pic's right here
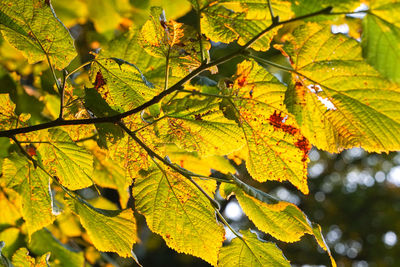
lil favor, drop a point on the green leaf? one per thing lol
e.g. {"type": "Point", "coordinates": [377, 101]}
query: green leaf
{"type": "Point", "coordinates": [241, 20]}
{"type": "Point", "coordinates": [13, 237]}
{"type": "Point", "coordinates": [251, 251]}
{"type": "Point", "coordinates": [72, 164]}
{"type": "Point", "coordinates": [108, 132]}
{"type": "Point", "coordinates": [124, 84]}
{"type": "Point", "coordinates": [127, 46]}
{"type": "Point", "coordinates": [339, 100]}
{"type": "Point", "coordinates": [196, 123]}
{"type": "Point", "coordinates": [3, 260]}
{"type": "Point", "coordinates": [381, 38]}
{"type": "Point", "coordinates": [175, 209]}
{"type": "Point", "coordinates": [109, 230]}
{"type": "Point", "coordinates": [104, 14]}
{"type": "Point", "coordinates": [301, 8]}
{"type": "Point", "coordinates": [33, 28]}
{"type": "Point", "coordinates": [33, 186]}
{"type": "Point", "coordinates": [21, 258]}
{"type": "Point", "coordinates": [276, 148]}
{"type": "Point", "coordinates": [43, 242]}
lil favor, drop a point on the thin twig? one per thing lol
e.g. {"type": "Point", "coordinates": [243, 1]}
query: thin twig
{"type": "Point", "coordinates": [153, 154]}
{"type": "Point", "coordinates": [78, 68]}
{"type": "Point", "coordinates": [199, 32]}
{"type": "Point", "coordinates": [24, 151]}
{"type": "Point", "coordinates": [271, 12]}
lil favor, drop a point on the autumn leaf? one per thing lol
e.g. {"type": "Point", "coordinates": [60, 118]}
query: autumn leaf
{"type": "Point", "coordinates": [227, 21]}
{"type": "Point", "coordinates": [23, 259]}
{"type": "Point", "coordinates": [72, 164]}
{"type": "Point", "coordinates": [33, 28]}
{"type": "Point", "coordinates": [197, 124]}
{"type": "Point", "coordinates": [173, 208]}
{"type": "Point", "coordinates": [33, 185]}
{"type": "Point", "coordinates": [338, 100]}
{"type": "Point", "coordinates": [381, 36]}
{"type": "Point", "coordinates": [276, 148]}
{"type": "Point", "coordinates": [248, 250]}
{"type": "Point", "coordinates": [109, 230]}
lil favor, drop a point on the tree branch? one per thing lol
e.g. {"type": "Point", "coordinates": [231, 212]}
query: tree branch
{"type": "Point", "coordinates": [159, 97]}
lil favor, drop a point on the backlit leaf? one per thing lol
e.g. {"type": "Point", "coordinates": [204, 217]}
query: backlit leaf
{"type": "Point", "coordinates": [122, 83]}
{"type": "Point", "coordinates": [282, 220]}
{"type": "Point", "coordinates": [21, 258]}
{"type": "Point", "coordinates": [33, 28]}
{"type": "Point", "coordinates": [33, 185]}
{"type": "Point", "coordinates": [172, 40]}
{"type": "Point", "coordinates": [251, 251]}
{"type": "Point", "coordinates": [191, 161]}
{"type": "Point", "coordinates": [340, 101]}
{"type": "Point", "coordinates": [381, 37]}
{"type": "Point", "coordinates": [8, 118]}
{"type": "Point", "coordinates": [9, 208]}
{"type": "Point", "coordinates": [127, 46]}
{"type": "Point", "coordinates": [241, 20]}
{"type": "Point", "coordinates": [109, 230]}
{"type": "Point", "coordinates": [197, 124]}
{"type": "Point", "coordinates": [43, 242]}
{"type": "Point", "coordinates": [276, 148]}
{"type": "Point", "coordinates": [175, 209]}
{"type": "Point", "coordinates": [301, 8]}
{"type": "Point", "coordinates": [72, 164]}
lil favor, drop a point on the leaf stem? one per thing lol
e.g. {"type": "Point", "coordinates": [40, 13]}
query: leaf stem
{"type": "Point", "coordinates": [271, 11]}
{"type": "Point", "coordinates": [78, 68]}
{"type": "Point", "coordinates": [167, 69]}
{"type": "Point", "coordinates": [62, 94]}
{"type": "Point", "coordinates": [228, 225]}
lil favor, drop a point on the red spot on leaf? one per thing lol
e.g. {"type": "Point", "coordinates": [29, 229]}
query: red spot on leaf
{"type": "Point", "coordinates": [304, 145]}
{"type": "Point", "coordinates": [99, 81]}
{"type": "Point", "coordinates": [31, 150]}
{"type": "Point", "coordinates": [242, 81]}
{"type": "Point", "coordinates": [276, 120]}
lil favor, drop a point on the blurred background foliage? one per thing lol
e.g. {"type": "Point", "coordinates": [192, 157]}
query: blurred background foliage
{"type": "Point", "coordinates": [354, 196]}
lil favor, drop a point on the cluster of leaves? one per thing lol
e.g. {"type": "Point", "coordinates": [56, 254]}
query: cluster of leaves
{"type": "Point", "coordinates": [133, 119]}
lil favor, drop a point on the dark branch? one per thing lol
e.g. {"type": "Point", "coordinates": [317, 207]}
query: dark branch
{"type": "Point", "coordinates": [159, 97]}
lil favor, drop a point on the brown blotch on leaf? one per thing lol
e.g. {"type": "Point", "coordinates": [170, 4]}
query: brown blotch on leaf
{"type": "Point", "coordinates": [99, 81]}
{"type": "Point", "coordinates": [197, 117]}
{"type": "Point", "coordinates": [276, 120]}
{"type": "Point", "coordinates": [304, 145]}
{"type": "Point", "coordinates": [31, 150]}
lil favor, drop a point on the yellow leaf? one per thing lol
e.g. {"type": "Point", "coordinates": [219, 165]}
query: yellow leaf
{"type": "Point", "coordinates": [276, 148]}
{"type": "Point", "coordinates": [339, 100]}
{"type": "Point", "coordinates": [282, 220]}
{"type": "Point", "coordinates": [175, 209]}
{"type": "Point", "coordinates": [33, 185]}
{"type": "Point", "coordinates": [248, 250]}
{"type": "Point", "coordinates": [21, 258]}
{"type": "Point", "coordinates": [109, 230]}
